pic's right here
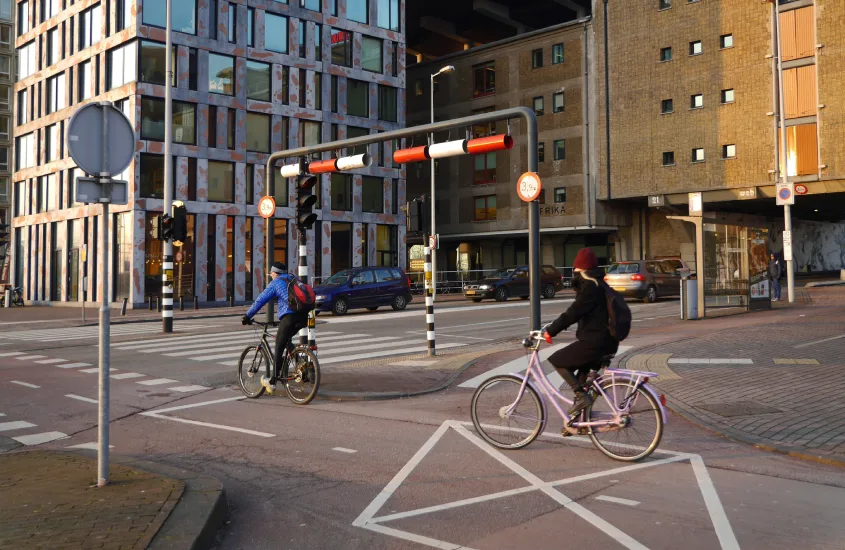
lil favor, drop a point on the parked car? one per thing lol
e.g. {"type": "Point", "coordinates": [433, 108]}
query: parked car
{"type": "Point", "coordinates": [514, 281]}
{"type": "Point", "coordinates": [645, 279]}
{"type": "Point", "coordinates": [678, 264]}
{"type": "Point", "coordinates": [364, 287]}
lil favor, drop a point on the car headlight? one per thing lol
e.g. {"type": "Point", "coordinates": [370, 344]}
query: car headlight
{"type": "Point", "coordinates": [483, 287]}
{"type": "Point", "coordinates": [320, 298]}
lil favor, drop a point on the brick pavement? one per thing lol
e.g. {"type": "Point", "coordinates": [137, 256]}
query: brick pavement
{"type": "Point", "coordinates": [49, 502]}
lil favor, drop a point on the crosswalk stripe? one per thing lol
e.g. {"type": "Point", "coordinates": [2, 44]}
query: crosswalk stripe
{"type": "Point", "coordinates": [97, 369]}
{"type": "Point", "coordinates": [127, 375]}
{"type": "Point", "coordinates": [30, 357]}
{"type": "Point", "coordinates": [186, 389]}
{"type": "Point", "coordinates": [235, 350]}
{"type": "Point", "coordinates": [80, 333]}
{"type": "Point", "coordinates": [51, 361]}
{"type": "Point", "coordinates": [74, 365]}
{"type": "Point", "coordinates": [17, 425]}
{"type": "Point", "coordinates": [209, 347]}
{"type": "Point", "coordinates": [373, 355]}
{"type": "Point", "coordinates": [215, 336]}
{"type": "Point", "coordinates": [157, 382]}
{"type": "Point", "coordinates": [336, 347]}
{"type": "Point", "coordinates": [11, 353]}
{"type": "Point", "coordinates": [38, 439]}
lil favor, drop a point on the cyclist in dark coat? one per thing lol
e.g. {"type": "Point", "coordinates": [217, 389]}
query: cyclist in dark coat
{"type": "Point", "coordinates": [594, 340]}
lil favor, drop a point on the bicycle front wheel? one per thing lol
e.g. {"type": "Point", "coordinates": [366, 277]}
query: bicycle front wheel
{"type": "Point", "coordinates": [251, 366]}
{"type": "Point", "coordinates": [642, 424]}
{"type": "Point", "coordinates": [504, 418]}
{"type": "Point", "coordinates": [301, 375]}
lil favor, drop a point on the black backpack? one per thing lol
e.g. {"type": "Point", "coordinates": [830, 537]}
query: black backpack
{"type": "Point", "coordinates": [618, 314]}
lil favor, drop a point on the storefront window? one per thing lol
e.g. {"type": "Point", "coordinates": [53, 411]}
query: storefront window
{"type": "Point", "coordinates": [387, 245]}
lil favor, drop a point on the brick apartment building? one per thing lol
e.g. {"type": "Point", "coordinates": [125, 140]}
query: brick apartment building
{"type": "Point", "coordinates": [251, 77]}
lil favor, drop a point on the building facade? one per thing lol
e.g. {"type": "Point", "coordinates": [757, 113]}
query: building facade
{"type": "Point", "coordinates": [694, 108]}
{"type": "Point", "coordinates": [251, 77]}
{"type": "Point", "coordinates": [7, 79]}
{"type": "Point", "coordinates": [482, 222]}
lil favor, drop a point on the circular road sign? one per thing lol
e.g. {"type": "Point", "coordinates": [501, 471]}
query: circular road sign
{"type": "Point", "coordinates": [179, 256]}
{"type": "Point", "coordinates": [85, 139]}
{"type": "Point", "coordinates": [801, 189]}
{"type": "Point", "coordinates": [784, 194]}
{"type": "Point", "coordinates": [529, 187]}
{"type": "Point", "coordinates": [267, 207]}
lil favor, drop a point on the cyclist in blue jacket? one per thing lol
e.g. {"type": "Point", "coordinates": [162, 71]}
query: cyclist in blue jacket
{"type": "Point", "coordinates": [290, 322]}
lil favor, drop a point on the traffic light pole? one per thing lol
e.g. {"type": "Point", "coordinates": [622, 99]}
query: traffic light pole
{"type": "Point", "coordinates": [167, 263]}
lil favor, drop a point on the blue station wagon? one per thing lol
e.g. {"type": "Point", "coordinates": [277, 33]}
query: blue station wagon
{"type": "Point", "coordinates": [364, 287]}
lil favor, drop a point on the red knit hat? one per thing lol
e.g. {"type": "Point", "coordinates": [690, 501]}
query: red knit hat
{"type": "Point", "coordinates": [586, 259]}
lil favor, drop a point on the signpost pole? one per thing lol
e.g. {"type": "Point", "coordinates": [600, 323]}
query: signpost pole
{"type": "Point", "coordinates": [429, 297]}
{"type": "Point", "coordinates": [787, 213]}
{"type": "Point", "coordinates": [533, 226]}
{"type": "Point", "coordinates": [167, 264]}
{"type": "Point", "coordinates": [105, 318]}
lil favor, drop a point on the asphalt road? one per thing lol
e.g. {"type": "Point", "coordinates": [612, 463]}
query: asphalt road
{"type": "Point", "coordinates": [407, 473]}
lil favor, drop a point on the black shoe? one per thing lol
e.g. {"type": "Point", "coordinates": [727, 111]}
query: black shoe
{"type": "Point", "coordinates": [582, 401]}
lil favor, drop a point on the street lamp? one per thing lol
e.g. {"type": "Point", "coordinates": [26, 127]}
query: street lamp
{"type": "Point", "coordinates": [444, 70]}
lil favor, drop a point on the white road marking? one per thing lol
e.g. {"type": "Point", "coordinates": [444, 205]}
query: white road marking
{"type": "Point", "coordinates": [441, 335]}
{"type": "Point", "coordinates": [92, 446]}
{"type": "Point", "coordinates": [19, 425]}
{"type": "Point", "coordinates": [30, 357]}
{"type": "Point", "coordinates": [705, 361]}
{"type": "Point", "coordinates": [617, 500]}
{"type": "Point", "coordinates": [822, 341]}
{"type": "Point", "coordinates": [237, 350]}
{"type": "Point", "coordinates": [28, 322]}
{"type": "Point", "coordinates": [408, 351]}
{"type": "Point", "coordinates": [24, 384]}
{"type": "Point", "coordinates": [51, 361]}
{"type": "Point", "coordinates": [485, 323]}
{"type": "Point", "coordinates": [127, 375]}
{"type": "Point", "coordinates": [159, 414]}
{"type": "Point", "coordinates": [157, 382]}
{"type": "Point", "coordinates": [97, 369]}
{"type": "Point", "coordinates": [187, 389]}
{"type": "Point", "coordinates": [191, 340]}
{"type": "Point", "coordinates": [193, 405]}
{"type": "Point", "coordinates": [442, 311]}
{"type": "Point", "coordinates": [80, 398]}
{"type": "Point", "coordinates": [714, 505]}
{"type": "Point", "coordinates": [344, 450]}
{"type": "Point", "coordinates": [38, 439]}
{"type": "Point", "coordinates": [11, 353]}
{"type": "Point", "coordinates": [74, 365]}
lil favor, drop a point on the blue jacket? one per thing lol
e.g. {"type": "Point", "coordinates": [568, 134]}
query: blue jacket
{"type": "Point", "coordinates": [278, 289]}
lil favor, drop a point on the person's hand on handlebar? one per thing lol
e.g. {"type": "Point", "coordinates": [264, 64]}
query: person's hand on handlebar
{"type": "Point", "coordinates": [246, 320]}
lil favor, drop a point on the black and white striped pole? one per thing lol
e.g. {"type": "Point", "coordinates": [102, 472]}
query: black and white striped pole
{"type": "Point", "coordinates": [429, 300]}
{"type": "Point", "coordinates": [305, 218]}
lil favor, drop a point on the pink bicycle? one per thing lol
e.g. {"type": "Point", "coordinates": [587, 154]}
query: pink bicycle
{"type": "Point", "coordinates": [625, 421]}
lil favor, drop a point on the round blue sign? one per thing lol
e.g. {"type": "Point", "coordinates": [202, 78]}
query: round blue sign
{"type": "Point", "coordinates": [784, 193]}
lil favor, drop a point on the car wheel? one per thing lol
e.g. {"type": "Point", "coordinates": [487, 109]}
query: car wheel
{"type": "Point", "coordinates": [651, 295]}
{"type": "Point", "coordinates": [549, 292]}
{"type": "Point", "coordinates": [340, 307]}
{"type": "Point", "coordinates": [399, 303]}
{"type": "Point", "coordinates": [372, 308]}
{"type": "Point", "coordinates": [501, 294]}
{"type": "Point", "coordinates": [476, 300]}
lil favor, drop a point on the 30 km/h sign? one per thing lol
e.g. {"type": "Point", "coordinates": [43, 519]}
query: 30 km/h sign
{"type": "Point", "coordinates": [529, 187]}
{"type": "Point", "coordinates": [267, 207]}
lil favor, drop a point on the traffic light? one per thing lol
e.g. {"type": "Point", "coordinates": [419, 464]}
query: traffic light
{"type": "Point", "coordinates": [155, 230]}
{"type": "Point", "coordinates": [180, 223]}
{"type": "Point", "coordinates": [305, 199]}
{"type": "Point", "coordinates": [166, 227]}
{"type": "Point", "coordinates": [416, 216]}
{"type": "Point", "coordinates": [4, 240]}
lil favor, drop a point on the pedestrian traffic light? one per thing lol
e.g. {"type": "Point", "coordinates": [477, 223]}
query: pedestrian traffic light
{"type": "Point", "coordinates": [305, 199]}
{"type": "Point", "coordinates": [166, 227]}
{"type": "Point", "coordinates": [180, 223]}
{"type": "Point", "coordinates": [155, 229]}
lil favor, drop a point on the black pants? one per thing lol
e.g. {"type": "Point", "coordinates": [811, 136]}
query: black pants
{"type": "Point", "coordinates": [289, 325]}
{"type": "Point", "coordinates": [579, 358]}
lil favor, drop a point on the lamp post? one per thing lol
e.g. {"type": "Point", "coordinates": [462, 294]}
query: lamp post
{"type": "Point", "coordinates": [444, 70]}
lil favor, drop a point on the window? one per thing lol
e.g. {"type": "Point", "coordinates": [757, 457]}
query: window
{"type": "Point", "coordinates": [221, 74]}
{"type": "Point", "coordinates": [665, 4]}
{"type": "Point", "coordinates": [275, 33]}
{"type": "Point", "coordinates": [54, 145]}
{"type": "Point", "coordinates": [310, 133]}
{"type": "Point", "coordinates": [669, 158]}
{"type": "Point", "coordinates": [371, 54]}
{"type": "Point", "coordinates": [388, 14]}
{"type": "Point", "coordinates": [213, 26]}
{"type": "Point", "coordinates": [4, 165]}
{"type": "Point", "coordinates": [124, 12]}
{"type": "Point", "coordinates": [484, 79]}
{"type": "Point", "coordinates": [152, 176]}
{"type": "Point", "coordinates": [221, 181]}
{"type": "Point", "coordinates": [698, 155]}
{"type": "Point", "coordinates": [666, 54]}
{"type": "Point", "coordinates": [802, 150]}
{"type": "Point", "coordinates": [231, 127]}
{"type": "Point", "coordinates": [89, 27]}
{"type": "Point", "coordinates": [5, 35]}
{"type": "Point", "coordinates": [318, 42]}
{"type": "Point", "coordinates": [539, 109]}
{"type": "Point", "coordinates": [280, 190]}
{"type": "Point", "coordinates": [285, 85]}
{"type": "Point", "coordinates": [27, 62]}
{"type": "Point", "coordinates": [334, 7]}
{"type": "Point", "coordinates": [560, 194]}
{"type": "Point", "coordinates": [485, 169]}
{"type": "Point", "coordinates": [799, 92]}
{"type": "Point", "coordinates": [23, 18]}
{"type": "Point", "coordinates": [557, 54]}
{"type": "Point", "coordinates": [302, 87]}
{"type": "Point", "coordinates": [341, 48]}
{"type": "Point", "coordinates": [485, 208]}
{"type": "Point", "coordinates": [357, 98]}
{"type": "Point", "coordinates": [121, 66]}
{"type": "Point", "coordinates": [387, 239]}
{"type": "Point", "coordinates": [387, 109]}
{"type": "Point", "coordinates": [372, 194]}
{"type": "Point", "coordinates": [667, 106]}
{"type": "Point", "coordinates": [53, 46]}
{"type": "Point", "coordinates": [695, 48]}
{"type": "Point", "coordinates": [56, 93]}
{"type": "Point", "coordinates": [153, 62]}
{"type": "Point", "coordinates": [728, 96]}
{"type": "Point", "coordinates": [258, 133]}
{"type": "Point", "coordinates": [357, 10]}
{"type": "Point", "coordinates": [6, 10]}
{"type": "Point", "coordinates": [356, 131]}
{"type": "Point", "coordinates": [6, 98]}
{"type": "Point", "coordinates": [557, 102]}
{"type": "Point", "coordinates": [728, 151]}
{"type": "Point", "coordinates": [5, 124]}
{"type": "Point", "coordinates": [183, 17]}
{"type": "Point", "coordinates": [233, 23]}
{"type": "Point", "coordinates": [726, 41]}
{"type": "Point", "coordinates": [537, 58]}
{"type": "Point", "coordinates": [696, 101]}
{"type": "Point", "coordinates": [212, 126]}
{"type": "Point", "coordinates": [6, 67]}
{"type": "Point", "coordinates": [541, 152]}
{"type": "Point", "coordinates": [258, 81]}
{"type": "Point", "coordinates": [302, 25]}
{"type": "Point", "coordinates": [797, 33]}
{"type": "Point", "coordinates": [193, 69]}
{"type": "Point", "coordinates": [334, 92]}
{"type": "Point", "coordinates": [560, 149]}
{"type": "Point", "coordinates": [250, 27]}
{"type": "Point", "coordinates": [23, 107]}
{"type": "Point", "coordinates": [341, 198]}
{"type": "Point", "coordinates": [153, 123]}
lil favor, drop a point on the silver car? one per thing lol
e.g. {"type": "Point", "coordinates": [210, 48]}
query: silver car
{"type": "Point", "coordinates": [645, 279]}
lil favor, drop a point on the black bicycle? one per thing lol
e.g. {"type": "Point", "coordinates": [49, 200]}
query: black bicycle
{"type": "Point", "coordinates": [300, 373]}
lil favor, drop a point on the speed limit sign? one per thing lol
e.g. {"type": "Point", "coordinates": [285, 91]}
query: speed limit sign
{"type": "Point", "coordinates": [529, 187]}
{"type": "Point", "coordinates": [267, 207]}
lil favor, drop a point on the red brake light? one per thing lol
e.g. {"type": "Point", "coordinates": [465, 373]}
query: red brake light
{"type": "Point", "coordinates": [605, 277]}
{"type": "Point", "coordinates": [409, 280]}
{"type": "Point", "coordinates": [662, 399]}
{"type": "Point", "coordinates": [637, 277]}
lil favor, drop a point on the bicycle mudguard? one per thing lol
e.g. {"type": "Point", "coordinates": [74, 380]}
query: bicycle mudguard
{"type": "Point", "coordinates": [540, 393]}
{"type": "Point", "coordinates": [628, 377]}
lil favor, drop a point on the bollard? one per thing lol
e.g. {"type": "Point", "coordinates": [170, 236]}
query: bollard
{"type": "Point", "coordinates": [158, 304]}
{"type": "Point", "coordinates": [181, 304]}
{"type": "Point", "coordinates": [151, 303]}
{"type": "Point", "coordinates": [123, 309]}
{"type": "Point", "coordinates": [8, 298]}
{"type": "Point", "coordinates": [196, 302]}
{"type": "Point", "coordinates": [231, 300]}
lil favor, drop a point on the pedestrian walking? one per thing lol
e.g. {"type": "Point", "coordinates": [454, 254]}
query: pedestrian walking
{"type": "Point", "coordinates": [775, 273]}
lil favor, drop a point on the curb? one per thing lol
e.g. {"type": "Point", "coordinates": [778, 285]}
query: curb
{"type": "Point", "coordinates": [201, 511]}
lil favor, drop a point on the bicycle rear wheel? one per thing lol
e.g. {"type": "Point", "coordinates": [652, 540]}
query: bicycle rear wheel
{"type": "Point", "coordinates": [252, 364]}
{"type": "Point", "coordinates": [642, 430]}
{"type": "Point", "coordinates": [507, 431]}
{"type": "Point", "coordinates": [301, 375]}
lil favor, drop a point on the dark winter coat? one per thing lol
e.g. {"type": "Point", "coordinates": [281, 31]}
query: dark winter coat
{"type": "Point", "coordinates": [775, 271]}
{"type": "Point", "coordinates": [589, 310]}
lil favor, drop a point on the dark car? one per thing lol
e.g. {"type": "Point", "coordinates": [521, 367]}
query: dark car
{"type": "Point", "coordinates": [645, 279]}
{"type": "Point", "coordinates": [514, 281]}
{"type": "Point", "coordinates": [364, 287]}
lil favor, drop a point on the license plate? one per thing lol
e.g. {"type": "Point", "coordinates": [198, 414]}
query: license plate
{"type": "Point", "coordinates": [470, 293]}
{"type": "Point", "coordinates": [620, 289]}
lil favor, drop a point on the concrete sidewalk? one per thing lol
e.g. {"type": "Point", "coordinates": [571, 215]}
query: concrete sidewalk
{"type": "Point", "coordinates": [50, 500]}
